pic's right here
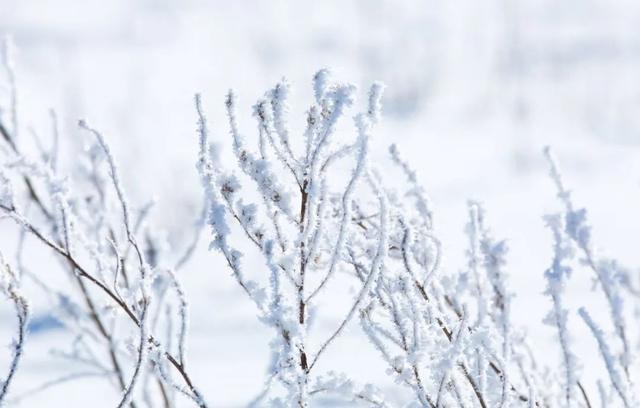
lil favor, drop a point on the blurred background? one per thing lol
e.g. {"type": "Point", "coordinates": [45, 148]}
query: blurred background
{"type": "Point", "coordinates": [474, 92]}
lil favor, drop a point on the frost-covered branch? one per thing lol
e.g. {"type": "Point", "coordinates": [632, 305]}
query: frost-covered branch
{"type": "Point", "coordinates": [557, 276]}
{"type": "Point", "coordinates": [9, 286]}
{"type": "Point", "coordinates": [608, 272]}
{"type": "Point", "coordinates": [617, 379]}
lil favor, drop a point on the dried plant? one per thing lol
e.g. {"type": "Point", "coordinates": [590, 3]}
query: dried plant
{"type": "Point", "coordinates": [122, 277]}
{"type": "Point", "coordinates": [316, 214]}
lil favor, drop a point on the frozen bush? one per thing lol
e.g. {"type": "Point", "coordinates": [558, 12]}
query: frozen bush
{"type": "Point", "coordinates": [123, 291]}
{"type": "Point", "coordinates": [448, 338]}
{"type": "Point", "coordinates": [316, 210]}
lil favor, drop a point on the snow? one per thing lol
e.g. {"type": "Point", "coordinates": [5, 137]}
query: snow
{"type": "Point", "coordinates": [473, 94]}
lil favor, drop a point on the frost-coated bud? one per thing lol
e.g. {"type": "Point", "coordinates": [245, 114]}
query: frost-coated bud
{"type": "Point", "coordinates": [375, 96]}
{"type": "Point", "coordinates": [320, 80]}
{"type": "Point", "coordinates": [6, 191]}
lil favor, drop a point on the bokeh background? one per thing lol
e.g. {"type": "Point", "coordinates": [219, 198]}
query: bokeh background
{"type": "Point", "coordinates": [474, 92]}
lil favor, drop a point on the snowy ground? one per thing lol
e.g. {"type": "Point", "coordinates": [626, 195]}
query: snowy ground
{"type": "Point", "coordinates": [475, 90]}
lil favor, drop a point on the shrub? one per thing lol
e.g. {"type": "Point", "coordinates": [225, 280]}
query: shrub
{"type": "Point", "coordinates": [317, 211]}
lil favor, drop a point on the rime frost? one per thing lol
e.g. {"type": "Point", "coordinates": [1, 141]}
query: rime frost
{"type": "Point", "coordinates": [321, 216]}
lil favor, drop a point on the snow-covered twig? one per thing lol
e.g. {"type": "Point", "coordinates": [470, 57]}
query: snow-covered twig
{"type": "Point", "coordinates": [9, 286]}
{"type": "Point", "coordinates": [617, 379]}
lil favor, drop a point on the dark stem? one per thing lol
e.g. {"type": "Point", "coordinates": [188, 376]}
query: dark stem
{"type": "Point", "coordinates": [304, 196]}
{"type": "Point", "coordinates": [584, 394]}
